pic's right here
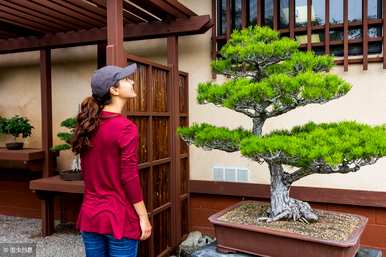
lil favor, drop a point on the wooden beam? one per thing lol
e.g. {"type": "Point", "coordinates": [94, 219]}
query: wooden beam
{"type": "Point", "coordinates": [68, 12]}
{"type": "Point", "coordinates": [181, 27]}
{"type": "Point", "coordinates": [46, 107]}
{"type": "Point", "coordinates": [52, 20]}
{"type": "Point", "coordinates": [20, 15]}
{"type": "Point", "coordinates": [27, 4]}
{"type": "Point", "coordinates": [182, 8]}
{"type": "Point", "coordinates": [169, 7]}
{"type": "Point", "coordinates": [146, 5]}
{"type": "Point", "coordinates": [24, 23]}
{"type": "Point", "coordinates": [114, 48]}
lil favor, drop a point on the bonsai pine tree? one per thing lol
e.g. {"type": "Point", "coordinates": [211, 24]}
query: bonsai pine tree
{"type": "Point", "coordinates": [70, 124]}
{"type": "Point", "coordinates": [269, 76]}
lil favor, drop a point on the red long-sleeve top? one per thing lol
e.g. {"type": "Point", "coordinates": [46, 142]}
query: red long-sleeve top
{"type": "Point", "coordinates": [111, 179]}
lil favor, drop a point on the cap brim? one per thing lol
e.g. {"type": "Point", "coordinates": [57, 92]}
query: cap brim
{"type": "Point", "coordinates": [127, 71]}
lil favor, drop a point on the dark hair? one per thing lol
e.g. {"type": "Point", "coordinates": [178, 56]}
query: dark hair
{"type": "Point", "coordinates": [88, 121]}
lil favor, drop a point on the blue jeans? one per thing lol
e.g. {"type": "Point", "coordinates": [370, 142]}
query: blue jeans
{"type": "Point", "coordinates": [101, 245]}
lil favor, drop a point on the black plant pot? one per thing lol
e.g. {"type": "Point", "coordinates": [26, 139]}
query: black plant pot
{"type": "Point", "coordinates": [70, 175]}
{"type": "Point", "coordinates": [14, 145]}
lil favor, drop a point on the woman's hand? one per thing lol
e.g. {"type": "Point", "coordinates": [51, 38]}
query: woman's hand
{"type": "Point", "coordinates": [143, 220]}
{"type": "Point", "coordinates": [145, 227]}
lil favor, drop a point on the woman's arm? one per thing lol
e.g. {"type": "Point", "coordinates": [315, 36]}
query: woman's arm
{"type": "Point", "coordinates": [128, 143]}
{"type": "Point", "coordinates": [143, 219]}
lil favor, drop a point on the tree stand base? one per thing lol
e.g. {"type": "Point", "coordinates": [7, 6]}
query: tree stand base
{"type": "Point", "coordinates": [212, 250]}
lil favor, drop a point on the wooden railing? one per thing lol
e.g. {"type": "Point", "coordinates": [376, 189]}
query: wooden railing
{"type": "Point", "coordinates": [363, 44]}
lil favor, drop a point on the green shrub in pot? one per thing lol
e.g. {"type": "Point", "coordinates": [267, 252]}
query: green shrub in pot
{"type": "Point", "coordinates": [15, 126]}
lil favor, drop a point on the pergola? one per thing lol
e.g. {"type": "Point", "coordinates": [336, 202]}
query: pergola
{"type": "Point", "coordinates": [30, 25]}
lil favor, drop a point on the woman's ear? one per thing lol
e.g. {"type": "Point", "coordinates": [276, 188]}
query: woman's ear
{"type": "Point", "coordinates": [114, 91]}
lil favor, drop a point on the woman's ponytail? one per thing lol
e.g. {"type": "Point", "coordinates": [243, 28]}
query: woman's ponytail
{"type": "Point", "coordinates": [88, 120]}
{"type": "Point", "coordinates": [87, 124]}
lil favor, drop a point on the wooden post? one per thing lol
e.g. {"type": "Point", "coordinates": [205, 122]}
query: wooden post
{"type": "Point", "coordinates": [101, 55]}
{"type": "Point", "coordinates": [229, 18]}
{"type": "Point", "coordinates": [309, 28]}
{"type": "Point", "coordinates": [48, 166]}
{"type": "Point", "coordinates": [327, 28]}
{"type": "Point", "coordinates": [244, 15]}
{"type": "Point", "coordinates": [365, 35]}
{"type": "Point", "coordinates": [384, 37]}
{"type": "Point", "coordinates": [292, 19]}
{"type": "Point", "coordinates": [46, 106]}
{"type": "Point", "coordinates": [114, 48]}
{"type": "Point", "coordinates": [345, 35]}
{"type": "Point", "coordinates": [46, 212]}
{"type": "Point", "coordinates": [214, 34]}
{"type": "Point", "coordinates": [172, 44]}
{"type": "Point", "coordinates": [275, 14]}
{"type": "Point", "coordinates": [259, 12]}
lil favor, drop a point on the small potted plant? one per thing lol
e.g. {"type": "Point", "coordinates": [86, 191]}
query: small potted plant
{"type": "Point", "coordinates": [75, 172]}
{"type": "Point", "coordinates": [15, 126]}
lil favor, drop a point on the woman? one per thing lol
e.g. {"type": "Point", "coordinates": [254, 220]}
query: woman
{"type": "Point", "coordinates": [113, 216]}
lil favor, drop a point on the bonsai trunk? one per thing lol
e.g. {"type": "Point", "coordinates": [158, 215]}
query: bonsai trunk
{"type": "Point", "coordinates": [282, 205]}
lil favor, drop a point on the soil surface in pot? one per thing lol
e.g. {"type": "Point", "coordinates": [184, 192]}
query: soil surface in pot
{"type": "Point", "coordinates": [330, 226]}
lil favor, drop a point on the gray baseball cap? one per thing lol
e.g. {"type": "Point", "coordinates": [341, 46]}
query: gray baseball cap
{"type": "Point", "coordinates": [108, 76]}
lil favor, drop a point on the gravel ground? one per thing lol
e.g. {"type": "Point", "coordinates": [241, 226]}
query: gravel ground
{"type": "Point", "coordinates": [64, 243]}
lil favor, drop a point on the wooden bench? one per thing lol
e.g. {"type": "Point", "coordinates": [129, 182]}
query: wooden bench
{"type": "Point", "coordinates": [46, 189]}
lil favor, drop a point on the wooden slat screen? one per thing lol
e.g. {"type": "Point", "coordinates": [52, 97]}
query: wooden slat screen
{"type": "Point", "coordinates": [151, 111]}
{"type": "Point", "coordinates": [353, 39]}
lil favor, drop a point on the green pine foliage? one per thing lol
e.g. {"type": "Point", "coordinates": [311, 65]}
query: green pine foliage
{"type": "Point", "coordinates": [70, 124]}
{"type": "Point", "coordinates": [251, 48]}
{"type": "Point", "coordinates": [277, 91]}
{"type": "Point", "coordinates": [332, 143]}
{"type": "Point", "coordinates": [269, 76]}
{"type": "Point", "coordinates": [210, 137]}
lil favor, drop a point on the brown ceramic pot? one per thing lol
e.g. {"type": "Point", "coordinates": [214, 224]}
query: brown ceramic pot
{"type": "Point", "coordinates": [267, 242]}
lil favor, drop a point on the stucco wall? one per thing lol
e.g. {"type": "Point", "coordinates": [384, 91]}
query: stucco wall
{"type": "Point", "coordinates": [72, 67]}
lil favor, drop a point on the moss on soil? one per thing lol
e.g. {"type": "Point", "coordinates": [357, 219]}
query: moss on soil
{"type": "Point", "coordinates": [331, 226]}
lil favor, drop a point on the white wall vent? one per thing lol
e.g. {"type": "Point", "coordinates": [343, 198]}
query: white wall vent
{"type": "Point", "coordinates": [230, 174]}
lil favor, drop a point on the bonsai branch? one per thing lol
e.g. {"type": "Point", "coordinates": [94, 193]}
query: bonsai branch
{"type": "Point", "coordinates": [297, 102]}
{"type": "Point", "coordinates": [320, 167]}
{"type": "Point", "coordinates": [226, 146]}
{"type": "Point", "coordinates": [223, 145]}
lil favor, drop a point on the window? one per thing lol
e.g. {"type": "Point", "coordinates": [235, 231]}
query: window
{"type": "Point", "coordinates": [349, 29]}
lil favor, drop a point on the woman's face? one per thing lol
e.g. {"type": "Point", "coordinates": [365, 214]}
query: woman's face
{"type": "Point", "coordinates": [126, 88]}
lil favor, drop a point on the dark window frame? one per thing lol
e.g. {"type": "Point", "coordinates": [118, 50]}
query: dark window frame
{"type": "Point", "coordinates": [353, 37]}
